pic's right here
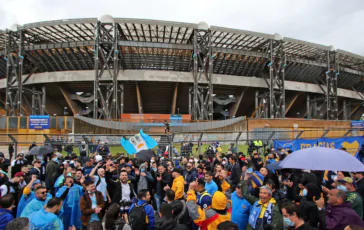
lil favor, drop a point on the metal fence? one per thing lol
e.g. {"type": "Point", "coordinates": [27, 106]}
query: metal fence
{"type": "Point", "coordinates": [267, 135]}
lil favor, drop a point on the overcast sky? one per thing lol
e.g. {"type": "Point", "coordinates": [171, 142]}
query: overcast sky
{"type": "Point", "coordinates": [329, 22]}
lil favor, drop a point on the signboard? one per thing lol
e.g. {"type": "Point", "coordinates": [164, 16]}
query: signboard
{"type": "Point", "coordinates": [39, 122]}
{"type": "Point", "coordinates": [357, 124]}
{"type": "Point", "coordinates": [351, 144]}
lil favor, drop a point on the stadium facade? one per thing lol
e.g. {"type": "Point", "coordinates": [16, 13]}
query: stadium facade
{"type": "Point", "coordinates": [106, 67]}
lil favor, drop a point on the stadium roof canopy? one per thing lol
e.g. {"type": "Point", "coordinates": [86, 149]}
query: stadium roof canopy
{"type": "Point", "coordinates": [65, 45]}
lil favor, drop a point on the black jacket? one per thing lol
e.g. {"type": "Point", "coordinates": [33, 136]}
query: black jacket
{"type": "Point", "coordinates": [115, 186]}
{"type": "Point", "coordinates": [180, 211]}
{"type": "Point", "coordinates": [235, 174]}
{"type": "Point", "coordinates": [164, 223]}
{"type": "Point", "coordinates": [166, 180]}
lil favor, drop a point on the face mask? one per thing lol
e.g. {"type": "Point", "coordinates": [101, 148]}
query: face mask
{"type": "Point", "coordinates": [304, 192]}
{"type": "Point", "coordinates": [342, 188]}
{"type": "Point", "coordinates": [154, 169]}
{"type": "Point", "coordinates": [191, 161]}
{"type": "Point", "coordinates": [55, 159]}
{"type": "Point", "coordinates": [142, 170]}
{"type": "Point", "coordinates": [224, 162]}
{"type": "Point", "coordinates": [288, 221]}
{"type": "Point", "coordinates": [151, 161]}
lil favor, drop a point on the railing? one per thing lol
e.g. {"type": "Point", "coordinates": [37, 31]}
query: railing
{"type": "Point", "coordinates": [240, 139]}
{"type": "Point", "coordinates": [174, 126]}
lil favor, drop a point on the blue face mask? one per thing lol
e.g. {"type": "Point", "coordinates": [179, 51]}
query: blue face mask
{"type": "Point", "coordinates": [154, 169]}
{"type": "Point", "coordinates": [304, 192]}
{"type": "Point", "coordinates": [55, 159]}
{"type": "Point", "coordinates": [342, 188]}
{"type": "Point", "coordinates": [288, 222]}
{"type": "Point", "coordinates": [142, 170]}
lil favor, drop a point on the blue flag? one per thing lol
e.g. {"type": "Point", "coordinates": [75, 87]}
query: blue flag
{"type": "Point", "coordinates": [140, 141]}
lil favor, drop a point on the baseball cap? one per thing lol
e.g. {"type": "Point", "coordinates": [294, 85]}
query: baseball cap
{"type": "Point", "coordinates": [348, 180]}
{"type": "Point", "coordinates": [205, 201]}
{"type": "Point", "coordinates": [19, 174]}
{"type": "Point", "coordinates": [177, 170]}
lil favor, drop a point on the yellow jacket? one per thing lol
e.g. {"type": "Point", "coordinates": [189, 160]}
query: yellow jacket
{"type": "Point", "coordinates": [206, 219]}
{"type": "Point", "coordinates": [178, 186]}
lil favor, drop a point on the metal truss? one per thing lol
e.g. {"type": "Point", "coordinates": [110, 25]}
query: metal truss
{"type": "Point", "coordinates": [14, 70]}
{"type": "Point", "coordinates": [107, 62]}
{"type": "Point", "coordinates": [327, 106]}
{"type": "Point", "coordinates": [261, 105]}
{"type": "Point", "coordinates": [275, 83]}
{"type": "Point", "coordinates": [202, 99]}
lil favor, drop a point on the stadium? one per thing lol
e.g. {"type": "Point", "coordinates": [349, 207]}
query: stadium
{"type": "Point", "coordinates": [104, 68]}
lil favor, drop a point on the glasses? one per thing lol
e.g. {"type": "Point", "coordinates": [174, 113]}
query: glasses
{"type": "Point", "coordinates": [42, 193]}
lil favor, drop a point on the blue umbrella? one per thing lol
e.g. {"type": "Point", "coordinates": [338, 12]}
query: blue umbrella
{"type": "Point", "coordinates": [320, 158]}
{"type": "Point", "coordinates": [274, 165]}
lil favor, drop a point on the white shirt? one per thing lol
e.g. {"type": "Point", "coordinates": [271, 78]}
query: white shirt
{"type": "Point", "coordinates": [125, 189]}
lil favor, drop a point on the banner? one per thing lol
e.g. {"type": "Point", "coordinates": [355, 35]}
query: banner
{"type": "Point", "coordinates": [137, 143]}
{"type": "Point", "coordinates": [351, 144]}
{"type": "Point", "coordinates": [294, 145]}
{"type": "Point", "coordinates": [357, 124]}
{"type": "Point", "coordinates": [39, 122]}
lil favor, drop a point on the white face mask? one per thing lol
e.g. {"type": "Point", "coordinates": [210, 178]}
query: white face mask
{"type": "Point", "coordinates": [224, 162]}
{"type": "Point", "coordinates": [191, 161]}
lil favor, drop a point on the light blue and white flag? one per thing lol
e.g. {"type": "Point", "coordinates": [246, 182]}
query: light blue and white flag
{"type": "Point", "coordinates": [140, 141]}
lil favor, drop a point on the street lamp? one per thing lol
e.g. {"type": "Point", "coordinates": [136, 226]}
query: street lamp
{"type": "Point", "coordinates": [65, 113]}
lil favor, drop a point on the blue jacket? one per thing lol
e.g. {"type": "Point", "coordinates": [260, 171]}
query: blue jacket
{"type": "Point", "coordinates": [189, 177]}
{"type": "Point", "coordinates": [241, 211]}
{"type": "Point", "coordinates": [211, 187]}
{"type": "Point", "coordinates": [148, 211]}
{"type": "Point", "coordinates": [5, 217]}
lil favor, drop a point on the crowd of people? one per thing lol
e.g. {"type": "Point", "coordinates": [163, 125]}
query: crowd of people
{"type": "Point", "coordinates": [224, 191]}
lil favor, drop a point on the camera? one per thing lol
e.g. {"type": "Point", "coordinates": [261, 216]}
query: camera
{"type": "Point", "coordinates": [125, 206]}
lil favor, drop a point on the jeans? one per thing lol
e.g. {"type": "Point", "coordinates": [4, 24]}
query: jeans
{"type": "Point", "coordinates": [158, 201]}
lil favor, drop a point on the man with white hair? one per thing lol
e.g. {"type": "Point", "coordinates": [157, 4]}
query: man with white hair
{"type": "Point", "coordinates": [265, 211]}
{"type": "Point", "coordinates": [100, 181]}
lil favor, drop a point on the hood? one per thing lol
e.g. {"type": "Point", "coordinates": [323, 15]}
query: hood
{"type": "Point", "coordinates": [143, 165]}
{"type": "Point", "coordinates": [219, 201]}
{"type": "Point", "coordinates": [180, 178]}
{"type": "Point", "coordinates": [165, 224]}
{"type": "Point", "coordinates": [43, 218]}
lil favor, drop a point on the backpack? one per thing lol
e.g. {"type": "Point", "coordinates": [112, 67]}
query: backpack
{"type": "Point", "coordinates": [137, 217]}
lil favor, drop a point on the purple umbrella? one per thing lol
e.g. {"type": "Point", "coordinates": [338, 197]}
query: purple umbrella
{"type": "Point", "coordinates": [320, 158]}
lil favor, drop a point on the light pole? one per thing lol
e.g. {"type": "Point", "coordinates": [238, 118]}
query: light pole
{"type": "Point", "coordinates": [65, 113]}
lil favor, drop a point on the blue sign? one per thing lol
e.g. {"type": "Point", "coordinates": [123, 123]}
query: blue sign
{"type": "Point", "coordinates": [357, 124]}
{"type": "Point", "coordinates": [39, 122]}
{"type": "Point", "coordinates": [351, 144]}
{"type": "Point", "coordinates": [294, 144]}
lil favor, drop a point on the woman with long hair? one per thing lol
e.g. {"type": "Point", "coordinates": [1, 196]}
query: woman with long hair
{"type": "Point", "coordinates": [114, 221]}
